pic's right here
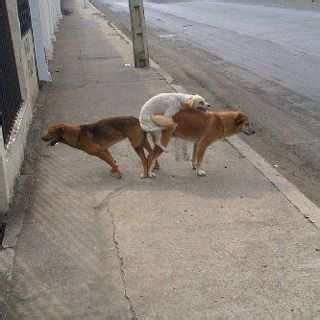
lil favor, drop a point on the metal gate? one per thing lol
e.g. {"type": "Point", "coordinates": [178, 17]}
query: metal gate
{"type": "Point", "coordinates": [10, 95]}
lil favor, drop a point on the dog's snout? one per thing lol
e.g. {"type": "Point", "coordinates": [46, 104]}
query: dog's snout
{"type": "Point", "coordinates": [248, 130]}
{"type": "Point", "coordinates": [52, 140]}
{"type": "Point", "coordinates": [252, 131]}
{"type": "Point", "coordinates": [46, 137]}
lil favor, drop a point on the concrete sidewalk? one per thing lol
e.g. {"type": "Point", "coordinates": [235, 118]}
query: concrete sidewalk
{"type": "Point", "coordinates": [228, 246]}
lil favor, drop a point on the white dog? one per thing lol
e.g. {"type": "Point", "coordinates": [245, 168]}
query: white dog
{"type": "Point", "coordinates": [156, 114]}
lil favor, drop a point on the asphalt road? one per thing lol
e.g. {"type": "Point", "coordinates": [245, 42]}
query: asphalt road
{"type": "Point", "coordinates": [263, 58]}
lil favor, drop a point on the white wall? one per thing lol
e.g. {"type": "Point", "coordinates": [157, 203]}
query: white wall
{"type": "Point", "coordinates": [45, 16]}
{"type": "Point", "coordinates": [12, 154]}
{"type": "Point", "coordinates": [42, 65]}
{"type": "Point", "coordinates": [32, 52]}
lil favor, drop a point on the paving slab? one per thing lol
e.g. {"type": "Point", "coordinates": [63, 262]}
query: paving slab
{"type": "Point", "coordinates": [66, 264]}
{"type": "Point", "coordinates": [229, 246]}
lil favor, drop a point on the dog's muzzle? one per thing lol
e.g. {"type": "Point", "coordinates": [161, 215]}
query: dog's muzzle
{"type": "Point", "coordinates": [248, 130]}
{"type": "Point", "coordinates": [52, 140]}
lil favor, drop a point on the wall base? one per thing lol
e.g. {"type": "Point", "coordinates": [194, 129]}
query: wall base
{"type": "Point", "coordinates": [12, 155]}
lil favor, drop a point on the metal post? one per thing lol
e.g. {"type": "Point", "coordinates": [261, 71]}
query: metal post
{"type": "Point", "coordinates": [138, 29]}
{"type": "Point", "coordinates": [42, 65]}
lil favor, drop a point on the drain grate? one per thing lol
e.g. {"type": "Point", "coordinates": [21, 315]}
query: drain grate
{"type": "Point", "coordinates": [2, 231]}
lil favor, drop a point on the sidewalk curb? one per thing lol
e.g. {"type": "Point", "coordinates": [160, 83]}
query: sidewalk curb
{"type": "Point", "coordinates": [304, 205]}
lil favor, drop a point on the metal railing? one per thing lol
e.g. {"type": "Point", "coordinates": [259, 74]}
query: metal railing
{"type": "Point", "coordinates": [10, 95]}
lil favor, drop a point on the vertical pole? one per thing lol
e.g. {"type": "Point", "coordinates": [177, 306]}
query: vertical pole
{"type": "Point", "coordinates": [139, 37]}
{"type": "Point", "coordinates": [42, 66]}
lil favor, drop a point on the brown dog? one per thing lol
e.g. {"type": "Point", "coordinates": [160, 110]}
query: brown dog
{"type": "Point", "coordinates": [202, 128]}
{"type": "Point", "coordinates": [96, 138]}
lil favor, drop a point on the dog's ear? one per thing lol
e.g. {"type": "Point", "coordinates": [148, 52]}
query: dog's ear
{"type": "Point", "coordinates": [57, 130]}
{"type": "Point", "coordinates": [189, 103]}
{"type": "Point", "coordinates": [61, 131]}
{"type": "Point", "coordinates": [240, 119]}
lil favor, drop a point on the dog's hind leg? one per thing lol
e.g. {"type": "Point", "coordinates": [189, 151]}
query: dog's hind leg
{"type": "Point", "coordinates": [140, 152]}
{"type": "Point", "coordinates": [147, 146]}
{"type": "Point", "coordinates": [152, 159]}
{"type": "Point", "coordinates": [156, 165]}
{"type": "Point", "coordinates": [138, 142]}
{"type": "Point", "coordinates": [158, 150]}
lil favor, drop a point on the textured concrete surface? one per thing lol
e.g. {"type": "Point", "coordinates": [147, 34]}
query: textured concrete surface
{"type": "Point", "coordinates": [67, 266]}
{"type": "Point", "coordinates": [229, 246]}
{"type": "Point", "coordinates": [257, 55]}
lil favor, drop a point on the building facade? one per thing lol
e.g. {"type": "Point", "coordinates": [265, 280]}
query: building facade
{"type": "Point", "coordinates": [26, 44]}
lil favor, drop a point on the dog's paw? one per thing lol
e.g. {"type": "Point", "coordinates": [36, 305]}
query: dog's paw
{"type": "Point", "coordinates": [201, 173]}
{"type": "Point", "coordinates": [116, 174]}
{"type": "Point", "coordinates": [149, 175]}
{"type": "Point", "coordinates": [194, 167]}
{"type": "Point", "coordinates": [152, 175]}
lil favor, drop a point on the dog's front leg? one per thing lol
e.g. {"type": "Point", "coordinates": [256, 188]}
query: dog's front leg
{"type": "Point", "coordinates": [140, 152]}
{"type": "Point", "coordinates": [200, 151]}
{"type": "Point", "coordinates": [194, 156]}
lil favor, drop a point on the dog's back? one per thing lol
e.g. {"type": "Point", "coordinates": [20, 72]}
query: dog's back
{"type": "Point", "coordinates": [114, 128]}
{"type": "Point", "coordinates": [104, 126]}
{"type": "Point", "coordinates": [193, 124]}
